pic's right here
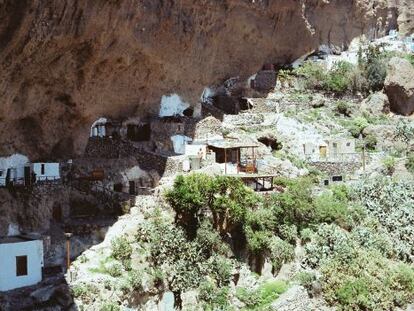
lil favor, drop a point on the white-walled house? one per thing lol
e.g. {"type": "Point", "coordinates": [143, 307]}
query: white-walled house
{"type": "Point", "coordinates": [46, 171]}
{"type": "Point", "coordinates": [21, 262]}
{"type": "Point", "coordinates": [13, 169]}
{"type": "Point", "coordinates": [98, 128]}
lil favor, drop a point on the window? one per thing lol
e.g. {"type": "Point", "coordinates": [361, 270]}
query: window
{"type": "Point", "coordinates": [21, 265]}
{"type": "Point", "coordinates": [336, 178]}
{"type": "Point", "coordinates": [348, 144]}
{"type": "Point", "coordinates": [42, 169]}
{"type": "Point", "coordinates": [1, 173]}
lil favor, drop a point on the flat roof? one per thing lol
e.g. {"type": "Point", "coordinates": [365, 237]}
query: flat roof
{"type": "Point", "coordinates": [231, 144]}
{"type": "Point", "coordinates": [16, 239]}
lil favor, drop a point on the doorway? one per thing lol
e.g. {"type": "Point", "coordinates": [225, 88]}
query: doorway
{"type": "Point", "coordinates": [322, 151]}
{"type": "Point", "coordinates": [132, 188]}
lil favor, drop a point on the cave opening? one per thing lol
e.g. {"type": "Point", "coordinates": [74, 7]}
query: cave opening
{"type": "Point", "coordinates": [139, 132]}
{"type": "Point", "coordinates": [271, 142]}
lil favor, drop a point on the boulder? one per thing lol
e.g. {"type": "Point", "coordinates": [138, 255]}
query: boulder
{"type": "Point", "coordinates": [399, 86]}
{"type": "Point", "coordinates": [376, 104]}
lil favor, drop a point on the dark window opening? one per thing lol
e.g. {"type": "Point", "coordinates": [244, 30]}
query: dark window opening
{"type": "Point", "coordinates": [337, 178]}
{"type": "Point", "coordinates": [244, 104]}
{"type": "Point", "coordinates": [42, 169]}
{"type": "Point", "coordinates": [326, 182]}
{"type": "Point", "coordinates": [188, 112]}
{"type": "Point", "coordinates": [139, 132]}
{"type": "Point", "coordinates": [118, 187]}
{"type": "Point", "coordinates": [21, 265]}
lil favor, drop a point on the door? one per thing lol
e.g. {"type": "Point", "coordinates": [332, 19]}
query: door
{"type": "Point", "coordinates": [27, 176]}
{"type": "Point", "coordinates": [322, 151]}
{"type": "Point", "coordinates": [57, 213]}
{"type": "Point", "coordinates": [132, 188]}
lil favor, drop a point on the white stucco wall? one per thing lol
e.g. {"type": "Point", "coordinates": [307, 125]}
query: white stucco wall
{"type": "Point", "coordinates": [17, 161]}
{"type": "Point", "coordinates": [101, 132]}
{"type": "Point", "coordinates": [172, 105]}
{"type": "Point", "coordinates": [179, 142]}
{"type": "Point", "coordinates": [193, 150]}
{"type": "Point", "coordinates": [8, 252]}
{"type": "Point", "coordinates": [51, 171]}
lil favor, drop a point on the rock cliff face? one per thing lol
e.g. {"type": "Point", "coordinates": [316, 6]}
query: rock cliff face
{"type": "Point", "coordinates": [65, 63]}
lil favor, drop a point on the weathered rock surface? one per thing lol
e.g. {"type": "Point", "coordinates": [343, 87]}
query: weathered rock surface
{"type": "Point", "coordinates": [376, 104]}
{"type": "Point", "coordinates": [65, 63]}
{"type": "Point", "coordinates": [399, 86]}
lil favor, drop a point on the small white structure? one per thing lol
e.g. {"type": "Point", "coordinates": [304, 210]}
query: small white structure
{"type": "Point", "coordinates": [98, 128]}
{"type": "Point", "coordinates": [21, 262]}
{"type": "Point", "coordinates": [46, 171]}
{"type": "Point", "coordinates": [332, 149]}
{"type": "Point", "coordinates": [179, 142]}
{"type": "Point", "coordinates": [196, 150]}
{"type": "Point", "coordinates": [172, 105]}
{"type": "Point", "coordinates": [12, 169]}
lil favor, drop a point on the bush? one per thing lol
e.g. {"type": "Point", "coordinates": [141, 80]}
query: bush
{"type": "Point", "coordinates": [370, 142]}
{"type": "Point", "coordinates": [281, 252]}
{"type": "Point", "coordinates": [306, 279]}
{"type": "Point", "coordinates": [109, 306]}
{"type": "Point", "coordinates": [122, 251]}
{"type": "Point", "coordinates": [342, 107]}
{"type": "Point", "coordinates": [367, 282]}
{"type": "Point", "coordinates": [339, 78]}
{"type": "Point", "coordinates": [262, 297]}
{"type": "Point", "coordinates": [313, 73]}
{"type": "Point", "coordinates": [214, 297]}
{"type": "Point", "coordinates": [226, 198]}
{"type": "Point", "coordinates": [389, 164]}
{"type": "Point", "coordinates": [410, 163]}
{"type": "Point", "coordinates": [357, 125]}
{"type": "Point", "coordinates": [373, 62]}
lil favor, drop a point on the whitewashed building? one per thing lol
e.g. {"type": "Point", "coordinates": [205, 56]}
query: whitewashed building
{"type": "Point", "coordinates": [98, 128]}
{"type": "Point", "coordinates": [14, 169]}
{"type": "Point", "coordinates": [21, 262]}
{"type": "Point", "coordinates": [46, 171]}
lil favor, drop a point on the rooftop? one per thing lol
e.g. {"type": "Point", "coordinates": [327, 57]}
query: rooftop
{"type": "Point", "coordinates": [232, 143]}
{"type": "Point", "coordinates": [16, 239]}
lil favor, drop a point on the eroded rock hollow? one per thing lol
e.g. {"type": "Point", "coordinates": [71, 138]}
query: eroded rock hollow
{"type": "Point", "coordinates": [65, 63]}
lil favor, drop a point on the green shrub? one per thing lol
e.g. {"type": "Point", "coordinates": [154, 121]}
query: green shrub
{"type": "Point", "coordinates": [226, 198]}
{"type": "Point", "coordinates": [306, 235]}
{"type": "Point", "coordinates": [289, 233]}
{"type": "Point", "coordinates": [281, 252]}
{"type": "Point", "coordinates": [114, 269]}
{"type": "Point", "coordinates": [331, 210]}
{"type": "Point", "coordinates": [410, 163]}
{"type": "Point", "coordinates": [262, 297]}
{"type": "Point", "coordinates": [306, 279]}
{"type": "Point", "coordinates": [109, 306]}
{"type": "Point", "coordinates": [343, 107]}
{"type": "Point", "coordinates": [122, 251]}
{"type": "Point", "coordinates": [370, 142]}
{"type": "Point", "coordinates": [389, 164]}
{"type": "Point", "coordinates": [215, 298]}
{"type": "Point", "coordinates": [373, 63]}
{"type": "Point", "coordinates": [357, 125]}
{"type": "Point", "coordinates": [313, 73]}
{"type": "Point", "coordinates": [367, 282]}
{"type": "Point", "coordinates": [339, 78]}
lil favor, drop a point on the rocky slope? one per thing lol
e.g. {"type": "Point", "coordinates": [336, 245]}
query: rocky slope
{"type": "Point", "coordinates": [65, 63]}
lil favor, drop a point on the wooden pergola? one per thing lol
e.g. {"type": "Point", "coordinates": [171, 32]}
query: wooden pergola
{"type": "Point", "coordinates": [230, 151]}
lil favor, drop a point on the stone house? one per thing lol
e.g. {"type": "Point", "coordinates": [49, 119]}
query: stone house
{"type": "Point", "coordinates": [331, 149]}
{"type": "Point", "coordinates": [21, 260]}
{"type": "Point", "coordinates": [46, 171]}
